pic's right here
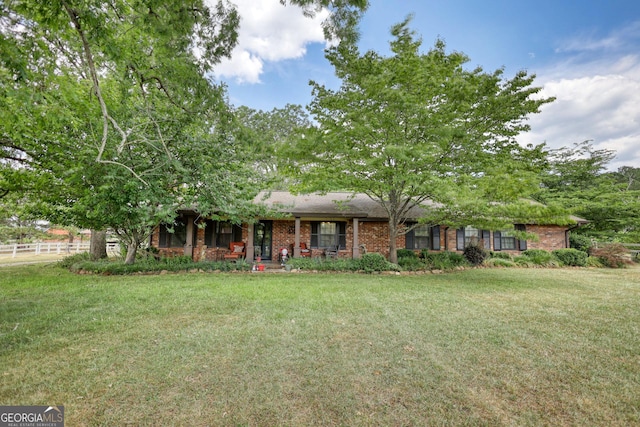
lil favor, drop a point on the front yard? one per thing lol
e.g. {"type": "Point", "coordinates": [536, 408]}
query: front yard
{"type": "Point", "coordinates": [474, 347]}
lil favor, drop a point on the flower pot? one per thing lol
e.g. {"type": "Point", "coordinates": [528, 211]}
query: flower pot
{"type": "Point", "coordinates": [261, 267]}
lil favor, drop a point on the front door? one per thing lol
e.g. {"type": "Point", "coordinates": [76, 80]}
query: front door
{"type": "Point", "coordinates": [263, 233]}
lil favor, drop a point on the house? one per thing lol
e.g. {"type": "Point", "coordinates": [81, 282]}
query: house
{"type": "Point", "coordinates": [351, 223]}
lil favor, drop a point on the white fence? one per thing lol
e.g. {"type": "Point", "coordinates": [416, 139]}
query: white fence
{"type": "Point", "coordinates": [17, 249]}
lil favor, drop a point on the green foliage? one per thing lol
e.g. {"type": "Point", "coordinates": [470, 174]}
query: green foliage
{"type": "Point", "coordinates": [613, 255]}
{"type": "Point", "coordinates": [500, 262]}
{"type": "Point", "coordinates": [374, 262]}
{"type": "Point", "coordinates": [580, 242]}
{"type": "Point", "coordinates": [387, 129]}
{"type": "Point", "coordinates": [69, 261]}
{"type": "Point", "coordinates": [475, 254]}
{"type": "Point", "coordinates": [539, 256]}
{"type": "Point", "coordinates": [571, 257]}
{"type": "Point", "coordinates": [411, 263]}
{"type": "Point", "coordinates": [407, 253]}
{"type": "Point", "coordinates": [500, 255]}
{"type": "Point", "coordinates": [444, 260]}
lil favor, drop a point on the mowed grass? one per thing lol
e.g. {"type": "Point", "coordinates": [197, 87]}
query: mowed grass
{"type": "Point", "coordinates": [476, 347]}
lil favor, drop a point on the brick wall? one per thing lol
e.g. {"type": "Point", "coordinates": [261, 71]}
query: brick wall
{"type": "Point", "coordinates": [373, 235]}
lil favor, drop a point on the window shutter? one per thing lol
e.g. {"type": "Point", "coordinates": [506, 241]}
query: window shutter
{"type": "Point", "coordinates": [435, 238]}
{"type": "Point", "coordinates": [409, 240]}
{"type": "Point", "coordinates": [162, 236]}
{"type": "Point", "coordinates": [342, 235]}
{"type": "Point", "coordinates": [522, 244]}
{"type": "Point", "coordinates": [497, 241]}
{"type": "Point", "coordinates": [314, 234]}
{"type": "Point", "coordinates": [486, 238]}
{"type": "Point", "coordinates": [460, 239]}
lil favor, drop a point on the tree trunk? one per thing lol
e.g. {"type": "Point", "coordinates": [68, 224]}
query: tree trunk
{"type": "Point", "coordinates": [132, 249]}
{"type": "Point", "coordinates": [393, 236]}
{"type": "Point", "coordinates": [98, 244]}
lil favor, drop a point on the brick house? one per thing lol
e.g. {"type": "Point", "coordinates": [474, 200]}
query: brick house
{"type": "Point", "coordinates": [352, 224]}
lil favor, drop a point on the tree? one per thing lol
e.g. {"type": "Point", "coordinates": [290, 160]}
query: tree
{"type": "Point", "coordinates": [265, 132]}
{"type": "Point", "coordinates": [415, 127]}
{"type": "Point", "coordinates": [577, 178]}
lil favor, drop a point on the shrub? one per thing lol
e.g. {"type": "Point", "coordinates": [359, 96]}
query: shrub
{"type": "Point", "coordinates": [580, 242]}
{"type": "Point", "coordinates": [406, 253]}
{"type": "Point", "coordinates": [411, 263]}
{"type": "Point", "coordinates": [500, 262]}
{"type": "Point", "coordinates": [613, 255]}
{"type": "Point", "coordinates": [374, 262]}
{"type": "Point", "coordinates": [571, 257]}
{"type": "Point", "coordinates": [69, 261]}
{"type": "Point", "coordinates": [539, 256]}
{"type": "Point", "coordinates": [444, 260]}
{"type": "Point", "coordinates": [593, 261]}
{"type": "Point", "coordinates": [475, 254]}
{"type": "Point", "coordinates": [500, 255]}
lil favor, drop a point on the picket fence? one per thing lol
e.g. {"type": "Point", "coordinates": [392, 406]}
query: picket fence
{"type": "Point", "coordinates": [22, 249]}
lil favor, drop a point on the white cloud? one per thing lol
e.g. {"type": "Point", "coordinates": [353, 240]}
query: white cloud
{"type": "Point", "coordinates": [272, 32]}
{"type": "Point", "coordinates": [596, 99]}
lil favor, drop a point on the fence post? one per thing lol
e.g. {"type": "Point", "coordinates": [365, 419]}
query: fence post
{"type": "Point", "coordinates": [15, 249]}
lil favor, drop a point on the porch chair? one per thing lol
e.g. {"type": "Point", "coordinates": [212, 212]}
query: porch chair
{"type": "Point", "coordinates": [237, 251]}
{"type": "Point", "coordinates": [305, 252]}
{"type": "Point", "coordinates": [332, 252]}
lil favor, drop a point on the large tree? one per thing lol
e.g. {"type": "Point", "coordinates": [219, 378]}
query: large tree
{"type": "Point", "coordinates": [578, 179]}
{"type": "Point", "coordinates": [417, 126]}
{"type": "Point", "coordinates": [111, 120]}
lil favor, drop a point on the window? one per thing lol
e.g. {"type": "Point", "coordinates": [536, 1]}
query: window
{"type": "Point", "coordinates": [472, 236]}
{"type": "Point", "coordinates": [227, 233]}
{"type": "Point", "coordinates": [173, 235]}
{"type": "Point", "coordinates": [506, 241]}
{"type": "Point", "coordinates": [328, 234]}
{"type": "Point", "coordinates": [423, 237]}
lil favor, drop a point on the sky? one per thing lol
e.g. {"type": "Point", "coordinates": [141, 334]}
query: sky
{"type": "Point", "coordinates": [584, 53]}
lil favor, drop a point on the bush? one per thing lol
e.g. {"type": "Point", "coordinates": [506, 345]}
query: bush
{"type": "Point", "coordinates": [500, 262]}
{"type": "Point", "coordinates": [374, 262]}
{"type": "Point", "coordinates": [571, 257]}
{"type": "Point", "coordinates": [500, 255]}
{"type": "Point", "coordinates": [411, 263]}
{"type": "Point", "coordinates": [475, 254]}
{"type": "Point", "coordinates": [595, 262]}
{"type": "Point", "coordinates": [406, 253]}
{"type": "Point", "coordinates": [539, 256]}
{"type": "Point", "coordinates": [613, 255]}
{"type": "Point", "coordinates": [444, 260]}
{"type": "Point", "coordinates": [580, 242]}
{"type": "Point", "coordinates": [69, 261]}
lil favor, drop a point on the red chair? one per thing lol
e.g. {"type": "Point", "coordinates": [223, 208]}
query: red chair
{"type": "Point", "coordinates": [304, 251]}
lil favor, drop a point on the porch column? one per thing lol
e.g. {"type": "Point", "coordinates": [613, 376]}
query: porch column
{"type": "Point", "coordinates": [250, 251]}
{"type": "Point", "coordinates": [356, 242]}
{"type": "Point", "coordinates": [188, 246]}
{"type": "Point", "coordinates": [296, 239]}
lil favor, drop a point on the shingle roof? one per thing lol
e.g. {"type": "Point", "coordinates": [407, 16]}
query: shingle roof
{"type": "Point", "coordinates": [335, 204]}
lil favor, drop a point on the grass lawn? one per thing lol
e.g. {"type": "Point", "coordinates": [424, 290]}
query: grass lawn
{"type": "Point", "coordinates": [476, 347]}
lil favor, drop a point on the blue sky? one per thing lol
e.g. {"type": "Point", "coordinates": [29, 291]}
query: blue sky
{"type": "Point", "coordinates": [587, 54]}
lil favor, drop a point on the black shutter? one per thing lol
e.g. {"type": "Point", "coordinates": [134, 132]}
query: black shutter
{"type": "Point", "coordinates": [342, 235]}
{"type": "Point", "coordinates": [460, 239]}
{"type": "Point", "coordinates": [497, 241]}
{"type": "Point", "coordinates": [162, 236]}
{"type": "Point", "coordinates": [435, 238]}
{"type": "Point", "coordinates": [522, 244]}
{"type": "Point", "coordinates": [409, 239]}
{"type": "Point", "coordinates": [486, 238]}
{"type": "Point", "coordinates": [314, 234]}
{"type": "Point", "coordinates": [237, 233]}
{"type": "Point", "coordinates": [209, 233]}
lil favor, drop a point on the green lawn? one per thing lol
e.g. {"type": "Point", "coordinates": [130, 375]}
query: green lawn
{"type": "Point", "coordinates": [476, 347]}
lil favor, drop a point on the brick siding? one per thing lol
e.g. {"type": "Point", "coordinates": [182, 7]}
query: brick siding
{"type": "Point", "coordinates": [374, 236]}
